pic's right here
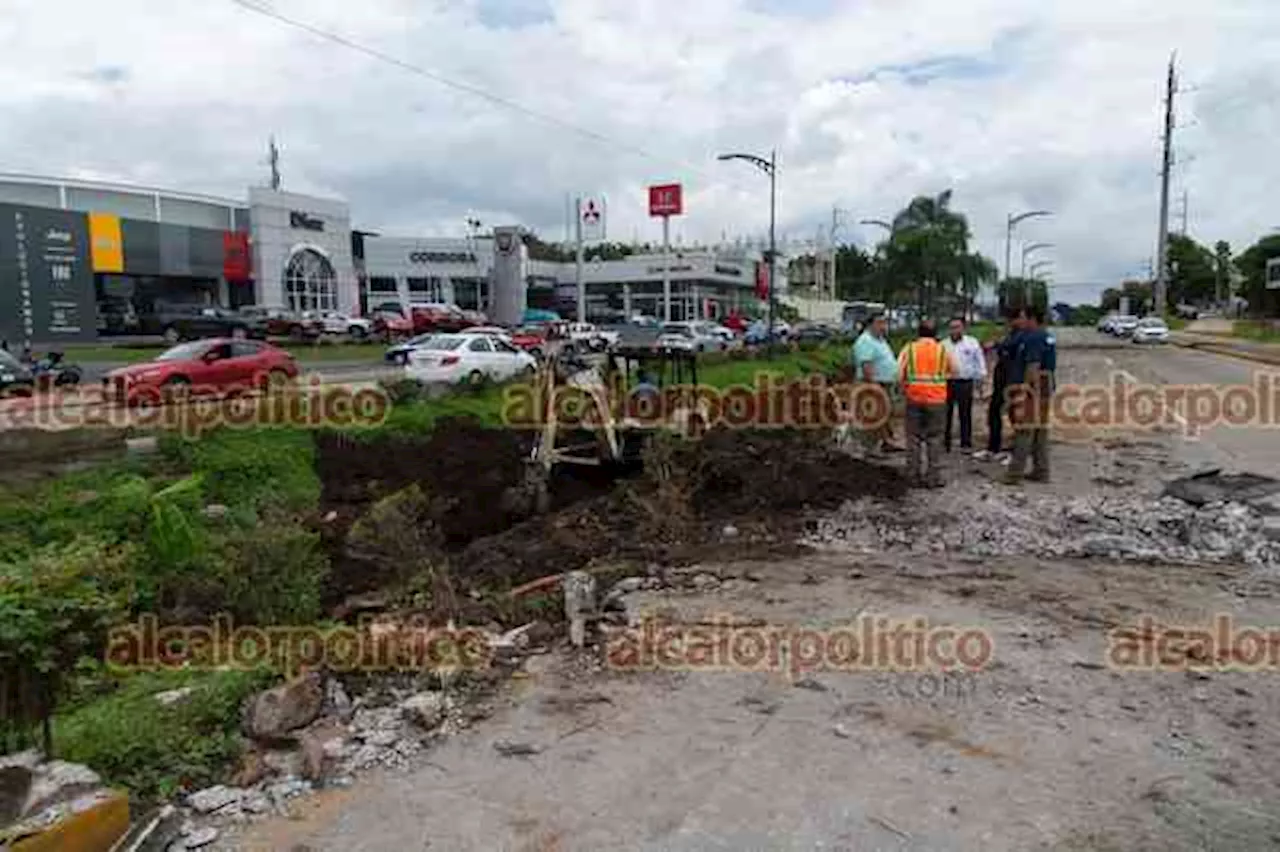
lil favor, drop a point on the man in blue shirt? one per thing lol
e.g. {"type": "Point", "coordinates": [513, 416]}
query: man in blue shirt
{"type": "Point", "coordinates": [1003, 352]}
{"type": "Point", "coordinates": [874, 362]}
{"type": "Point", "coordinates": [1032, 373]}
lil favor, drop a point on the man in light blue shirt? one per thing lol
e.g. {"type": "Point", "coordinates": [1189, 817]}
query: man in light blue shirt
{"type": "Point", "coordinates": [874, 361]}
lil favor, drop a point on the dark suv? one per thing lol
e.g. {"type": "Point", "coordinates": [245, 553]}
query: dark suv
{"type": "Point", "coordinates": [192, 322]}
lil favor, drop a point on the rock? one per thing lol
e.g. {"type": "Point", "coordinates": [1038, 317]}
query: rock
{"type": "Point", "coordinates": [216, 511]}
{"type": "Point", "coordinates": [256, 804]}
{"type": "Point", "coordinates": [365, 756]}
{"type": "Point", "coordinates": [513, 640]}
{"type": "Point", "coordinates": [382, 739]}
{"type": "Point", "coordinates": [841, 731]}
{"type": "Point", "coordinates": [628, 585]}
{"type": "Point", "coordinates": [15, 786]}
{"type": "Point", "coordinates": [273, 713]}
{"type": "Point", "coordinates": [58, 781]}
{"type": "Point", "coordinates": [579, 603]}
{"type": "Point", "coordinates": [337, 704]}
{"type": "Point", "coordinates": [213, 799]}
{"type": "Point", "coordinates": [315, 761]}
{"type": "Point", "coordinates": [29, 759]}
{"type": "Point", "coordinates": [173, 696]}
{"type": "Point", "coordinates": [200, 837]}
{"type": "Point", "coordinates": [251, 770]}
{"type": "Point", "coordinates": [812, 684]}
{"type": "Point", "coordinates": [729, 531]}
{"type": "Point", "coordinates": [283, 762]}
{"type": "Point", "coordinates": [376, 718]}
{"type": "Point", "coordinates": [507, 748]}
{"type": "Point", "coordinates": [426, 709]}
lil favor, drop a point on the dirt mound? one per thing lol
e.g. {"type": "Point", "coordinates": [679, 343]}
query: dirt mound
{"type": "Point", "coordinates": [742, 472]}
{"type": "Point", "coordinates": [463, 462]}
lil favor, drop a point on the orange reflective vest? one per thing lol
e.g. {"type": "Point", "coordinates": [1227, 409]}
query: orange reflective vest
{"type": "Point", "coordinates": [925, 367]}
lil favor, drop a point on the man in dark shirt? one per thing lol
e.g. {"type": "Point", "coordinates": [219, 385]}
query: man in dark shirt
{"type": "Point", "coordinates": [1031, 374]}
{"type": "Point", "coordinates": [1004, 351]}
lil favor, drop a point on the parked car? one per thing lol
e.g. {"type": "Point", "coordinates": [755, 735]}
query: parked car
{"type": "Point", "coordinates": [1123, 326]}
{"type": "Point", "coordinates": [812, 333]}
{"type": "Point", "coordinates": [1187, 312]}
{"type": "Point", "coordinates": [700, 337]}
{"type": "Point", "coordinates": [492, 330]}
{"type": "Point", "coordinates": [193, 322]}
{"type": "Point", "coordinates": [1106, 322]}
{"type": "Point", "coordinates": [16, 378]}
{"type": "Point", "coordinates": [337, 323]}
{"type": "Point", "coordinates": [531, 338]}
{"type": "Point", "coordinates": [469, 358]}
{"type": "Point", "coordinates": [1151, 330]}
{"type": "Point", "coordinates": [267, 322]}
{"type": "Point", "coordinates": [117, 316]}
{"type": "Point", "coordinates": [201, 367]}
{"type": "Point", "coordinates": [390, 325]}
{"type": "Point", "coordinates": [398, 353]}
{"type": "Point", "coordinates": [438, 318]}
{"type": "Point", "coordinates": [590, 336]}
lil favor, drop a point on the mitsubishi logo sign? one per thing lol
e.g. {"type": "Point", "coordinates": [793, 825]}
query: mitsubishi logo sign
{"type": "Point", "coordinates": [591, 214]}
{"type": "Point", "coordinates": [591, 219]}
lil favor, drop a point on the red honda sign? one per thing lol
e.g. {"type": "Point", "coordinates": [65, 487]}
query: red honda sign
{"type": "Point", "coordinates": [666, 200]}
{"type": "Point", "coordinates": [235, 256]}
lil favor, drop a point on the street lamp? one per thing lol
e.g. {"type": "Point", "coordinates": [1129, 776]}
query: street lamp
{"type": "Point", "coordinates": [880, 222]}
{"type": "Point", "coordinates": [1008, 234]}
{"type": "Point", "coordinates": [1038, 265]}
{"type": "Point", "coordinates": [1028, 250]}
{"type": "Point", "coordinates": [770, 168]}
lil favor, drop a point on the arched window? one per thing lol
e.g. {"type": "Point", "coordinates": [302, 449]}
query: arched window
{"type": "Point", "coordinates": [310, 283]}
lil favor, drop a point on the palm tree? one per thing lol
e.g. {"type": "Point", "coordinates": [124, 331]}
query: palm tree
{"type": "Point", "coordinates": [929, 244]}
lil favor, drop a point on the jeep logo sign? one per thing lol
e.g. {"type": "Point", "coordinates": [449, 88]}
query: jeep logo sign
{"type": "Point", "coordinates": [442, 257]}
{"type": "Point", "coordinates": [305, 222]}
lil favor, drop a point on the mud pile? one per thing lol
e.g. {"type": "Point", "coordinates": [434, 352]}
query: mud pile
{"type": "Point", "coordinates": [744, 472]}
{"type": "Point", "coordinates": [463, 463]}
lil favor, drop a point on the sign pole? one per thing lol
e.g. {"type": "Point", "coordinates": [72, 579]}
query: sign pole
{"type": "Point", "coordinates": [582, 287]}
{"type": "Point", "coordinates": [666, 269]}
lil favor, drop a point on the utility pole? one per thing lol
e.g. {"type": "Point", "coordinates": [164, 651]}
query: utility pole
{"type": "Point", "coordinates": [1162, 239]}
{"type": "Point", "coordinates": [1183, 213]}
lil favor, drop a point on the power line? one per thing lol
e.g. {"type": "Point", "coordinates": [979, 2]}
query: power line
{"type": "Point", "coordinates": [466, 88]}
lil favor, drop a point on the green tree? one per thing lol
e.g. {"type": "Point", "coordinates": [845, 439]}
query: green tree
{"type": "Point", "coordinates": [856, 274]}
{"type": "Point", "coordinates": [926, 257]}
{"type": "Point", "coordinates": [1192, 271]}
{"type": "Point", "coordinates": [1252, 264]}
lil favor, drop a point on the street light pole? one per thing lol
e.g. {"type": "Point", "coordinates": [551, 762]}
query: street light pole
{"type": "Point", "coordinates": [769, 167]}
{"type": "Point", "coordinates": [1010, 223]}
{"type": "Point", "coordinates": [1028, 250]}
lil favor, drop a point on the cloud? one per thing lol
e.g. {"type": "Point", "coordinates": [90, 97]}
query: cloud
{"type": "Point", "coordinates": [1014, 105]}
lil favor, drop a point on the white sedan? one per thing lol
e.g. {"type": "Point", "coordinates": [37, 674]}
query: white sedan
{"type": "Point", "coordinates": [469, 358]}
{"type": "Point", "coordinates": [334, 322]}
{"type": "Point", "coordinates": [1151, 330]}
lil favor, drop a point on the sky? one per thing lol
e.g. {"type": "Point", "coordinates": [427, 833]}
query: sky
{"type": "Point", "coordinates": [1011, 104]}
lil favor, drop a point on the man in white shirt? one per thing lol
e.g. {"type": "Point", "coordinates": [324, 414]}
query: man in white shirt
{"type": "Point", "coordinates": [971, 369]}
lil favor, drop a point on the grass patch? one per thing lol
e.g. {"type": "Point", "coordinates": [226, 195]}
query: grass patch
{"type": "Point", "coordinates": [1262, 331]}
{"type": "Point", "coordinates": [250, 468]}
{"type": "Point", "coordinates": [151, 749]}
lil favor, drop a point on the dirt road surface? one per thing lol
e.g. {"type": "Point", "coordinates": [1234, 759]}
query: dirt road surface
{"type": "Point", "coordinates": [1046, 747]}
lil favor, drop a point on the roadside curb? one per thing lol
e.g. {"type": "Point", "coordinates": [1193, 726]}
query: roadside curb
{"type": "Point", "coordinates": [1229, 351]}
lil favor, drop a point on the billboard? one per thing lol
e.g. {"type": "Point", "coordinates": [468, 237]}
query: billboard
{"type": "Point", "coordinates": [46, 279]}
{"type": "Point", "coordinates": [666, 200]}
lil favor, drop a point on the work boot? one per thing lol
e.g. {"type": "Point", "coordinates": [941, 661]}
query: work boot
{"type": "Point", "coordinates": [1038, 476]}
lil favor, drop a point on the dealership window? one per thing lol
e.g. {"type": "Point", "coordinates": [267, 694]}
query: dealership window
{"type": "Point", "coordinates": [382, 284]}
{"type": "Point", "coordinates": [310, 283]}
{"type": "Point", "coordinates": [426, 289]}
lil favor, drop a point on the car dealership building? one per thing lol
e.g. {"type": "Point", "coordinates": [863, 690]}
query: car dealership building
{"type": "Point", "coordinates": [81, 258]}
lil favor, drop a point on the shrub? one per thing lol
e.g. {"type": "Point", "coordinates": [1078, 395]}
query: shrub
{"type": "Point", "coordinates": [155, 750]}
{"type": "Point", "coordinates": [272, 574]}
{"type": "Point", "coordinates": [251, 468]}
{"type": "Point", "coordinates": [55, 607]}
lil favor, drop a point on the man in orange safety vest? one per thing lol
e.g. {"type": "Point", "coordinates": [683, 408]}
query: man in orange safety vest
{"type": "Point", "coordinates": [924, 366]}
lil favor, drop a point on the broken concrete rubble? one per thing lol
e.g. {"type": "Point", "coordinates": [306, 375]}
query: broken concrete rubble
{"type": "Point", "coordinates": [981, 520]}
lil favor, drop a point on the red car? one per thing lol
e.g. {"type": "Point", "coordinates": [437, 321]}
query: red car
{"type": "Point", "coordinates": [530, 338]}
{"type": "Point", "coordinates": [215, 366]}
{"type": "Point", "coordinates": [391, 325]}
{"type": "Point", "coordinates": [446, 319]}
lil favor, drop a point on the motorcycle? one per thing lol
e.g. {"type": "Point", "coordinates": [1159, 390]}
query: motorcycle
{"type": "Point", "coordinates": [52, 371]}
